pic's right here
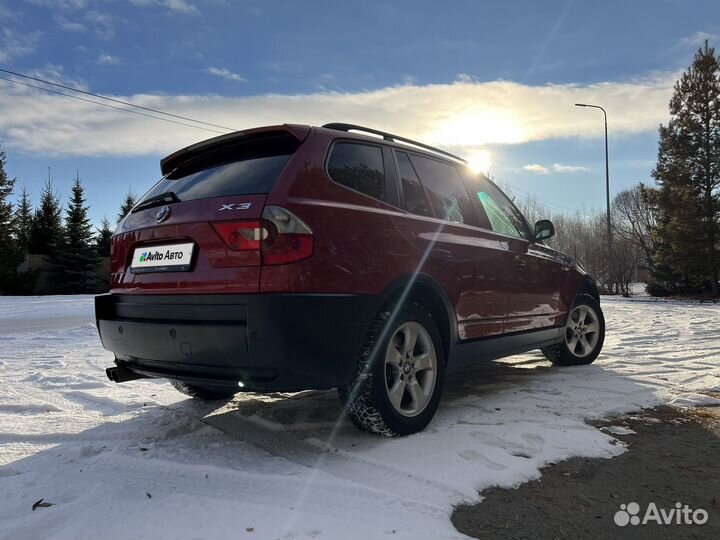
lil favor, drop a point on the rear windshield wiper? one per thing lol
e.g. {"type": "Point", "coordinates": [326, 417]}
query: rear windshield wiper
{"type": "Point", "coordinates": [157, 200]}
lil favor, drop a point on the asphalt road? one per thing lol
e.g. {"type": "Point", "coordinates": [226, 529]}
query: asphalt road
{"type": "Point", "coordinates": [673, 457]}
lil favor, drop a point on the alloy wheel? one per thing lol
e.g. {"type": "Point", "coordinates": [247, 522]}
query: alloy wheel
{"type": "Point", "coordinates": [410, 369]}
{"type": "Point", "coordinates": [582, 331]}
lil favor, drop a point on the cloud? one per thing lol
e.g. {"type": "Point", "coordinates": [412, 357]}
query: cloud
{"type": "Point", "coordinates": [60, 4]}
{"type": "Point", "coordinates": [465, 78]}
{"type": "Point", "coordinates": [107, 59]}
{"type": "Point", "coordinates": [461, 116]}
{"type": "Point", "coordinates": [555, 168]}
{"type": "Point", "coordinates": [14, 45]}
{"type": "Point", "coordinates": [537, 169]}
{"type": "Point", "coordinates": [225, 74]}
{"type": "Point", "coordinates": [70, 26]}
{"type": "Point", "coordinates": [56, 73]}
{"type": "Point", "coordinates": [178, 6]}
{"type": "Point", "coordinates": [6, 14]}
{"type": "Point", "coordinates": [558, 168]}
{"type": "Point", "coordinates": [181, 5]}
{"type": "Point", "coordinates": [409, 80]}
{"type": "Point", "coordinates": [102, 23]}
{"type": "Point", "coordinates": [698, 40]}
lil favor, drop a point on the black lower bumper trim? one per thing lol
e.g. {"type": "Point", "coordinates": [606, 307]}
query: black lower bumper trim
{"type": "Point", "coordinates": [269, 342]}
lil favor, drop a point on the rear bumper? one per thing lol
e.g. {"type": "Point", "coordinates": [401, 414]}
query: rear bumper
{"type": "Point", "coordinates": [269, 342]}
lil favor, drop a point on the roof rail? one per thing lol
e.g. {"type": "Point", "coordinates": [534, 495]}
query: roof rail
{"type": "Point", "coordinates": [392, 138]}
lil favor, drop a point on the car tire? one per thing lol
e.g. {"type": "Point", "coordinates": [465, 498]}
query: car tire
{"type": "Point", "coordinates": [398, 381]}
{"type": "Point", "coordinates": [203, 393]}
{"type": "Point", "coordinates": [584, 334]}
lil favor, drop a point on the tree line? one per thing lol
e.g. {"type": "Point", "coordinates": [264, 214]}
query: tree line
{"type": "Point", "coordinates": [63, 237]}
{"type": "Point", "coordinates": [672, 229]}
{"type": "Point", "coordinates": [583, 235]}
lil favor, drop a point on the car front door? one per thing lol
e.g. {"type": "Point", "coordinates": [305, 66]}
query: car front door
{"type": "Point", "coordinates": [535, 272]}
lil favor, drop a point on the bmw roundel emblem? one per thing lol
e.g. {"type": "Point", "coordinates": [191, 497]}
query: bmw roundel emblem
{"type": "Point", "coordinates": [162, 214]}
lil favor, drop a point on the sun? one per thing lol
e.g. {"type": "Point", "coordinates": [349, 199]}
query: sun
{"type": "Point", "coordinates": [478, 128]}
{"type": "Point", "coordinates": [480, 161]}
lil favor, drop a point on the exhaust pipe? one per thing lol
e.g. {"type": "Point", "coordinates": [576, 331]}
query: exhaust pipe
{"type": "Point", "coordinates": [120, 374]}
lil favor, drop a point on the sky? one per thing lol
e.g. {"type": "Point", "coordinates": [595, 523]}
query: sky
{"type": "Point", "coordinates": [492, 81]}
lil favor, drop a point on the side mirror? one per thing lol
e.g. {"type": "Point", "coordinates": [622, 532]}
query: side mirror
{"type": "Point", "coordinates": [544, 229]}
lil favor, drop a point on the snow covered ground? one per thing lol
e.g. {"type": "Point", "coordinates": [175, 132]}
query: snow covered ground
{"type": "Point", "coordinates": [139, 460]}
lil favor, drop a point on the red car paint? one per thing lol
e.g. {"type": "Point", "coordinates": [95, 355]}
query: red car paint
{"type": "Point", "coordinates": [496, 284]}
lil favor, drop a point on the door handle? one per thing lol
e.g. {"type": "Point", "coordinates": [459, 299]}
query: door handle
{"type": "Point", "coordinates": [441, 253]}
{"type": "Point", "coordinates": [519, 262]}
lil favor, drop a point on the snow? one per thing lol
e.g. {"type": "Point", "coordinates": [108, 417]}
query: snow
{"type": "Point", "coordinates": [139, 460]}
{"type": "Point", "coordinates": [619, 430]}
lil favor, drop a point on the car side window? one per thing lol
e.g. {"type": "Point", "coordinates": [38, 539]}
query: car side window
{"type": "Point", "coordinates": [499, 220]}
{"type": "Point", "coordinates": [416, 201]}
{"type": "Point", "coordinates": [501, 212]}
{"type": "Point", "coordinates": [359, 167]}
{"type": "Point", "coordinates": [445, 188]}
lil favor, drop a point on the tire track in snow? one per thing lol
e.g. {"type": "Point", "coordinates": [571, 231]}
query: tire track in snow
{"type": "Point", "coordinates": [314, 454]}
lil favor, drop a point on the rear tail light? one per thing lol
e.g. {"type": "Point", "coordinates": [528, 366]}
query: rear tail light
{"type": "Point", "coordinates": [242, 235]}
{"type": "Point", "coordinates": [280, 236]}
{"type": "Point", "coordinates": [289, 239]}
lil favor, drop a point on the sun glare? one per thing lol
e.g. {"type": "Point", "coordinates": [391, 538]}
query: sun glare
{"type": "Point", "coordinates": [480, 161]}
{"type": "Point", "coordinates": [479, 128]}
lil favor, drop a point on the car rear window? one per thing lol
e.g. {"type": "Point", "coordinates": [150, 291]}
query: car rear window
{"type": "Point", "coordinates": [446, 190]}
{"type": "Point", "coordinates": [414, 197]}
{"type": "Point", "coordinates": [247, 168]}
{"type": "Point", "coordinates": [359, 167]}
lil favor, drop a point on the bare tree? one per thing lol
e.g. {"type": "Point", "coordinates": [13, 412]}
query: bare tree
{"type": "Point", "coordinates": [583, 236]}
{"type": "Point", "coordinates": [634, 219]}
{"type": "Point", "coordinates": [532, 209]}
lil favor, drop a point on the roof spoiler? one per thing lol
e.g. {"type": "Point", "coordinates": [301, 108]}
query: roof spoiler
{"type": "Point", "coordinates": [174, 160]}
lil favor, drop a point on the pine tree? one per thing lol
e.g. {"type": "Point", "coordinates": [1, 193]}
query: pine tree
{"type": "Point", "coordinates": [103, 243]}
{"type": "Point", "coordinates": [74, 262]}
{"type": "Point", "coordinates": [127, 205]}
{"type": "Point", "coordinates": [46, 229]}
{"type": "Point", "coordinates": [9, 253]}
{"type": "Point", "coordinates": [104, 238]}
{"type": "Point", "coordinates": [24, 215]}
{"type": "Point", "coordinates": [688, 171]}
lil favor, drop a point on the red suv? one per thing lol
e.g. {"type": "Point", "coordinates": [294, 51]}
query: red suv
{"type": "Point", "coordinates": [291, 257]}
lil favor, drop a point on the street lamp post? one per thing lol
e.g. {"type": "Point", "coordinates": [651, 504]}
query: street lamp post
{"type": "Point", "coordinates": [607, 179]}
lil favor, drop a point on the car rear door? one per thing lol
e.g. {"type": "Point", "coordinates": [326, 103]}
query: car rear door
{"type": "Point", "coordinates": [467, 259]}
{"type": "Point", "coordinates": [535, 273]}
